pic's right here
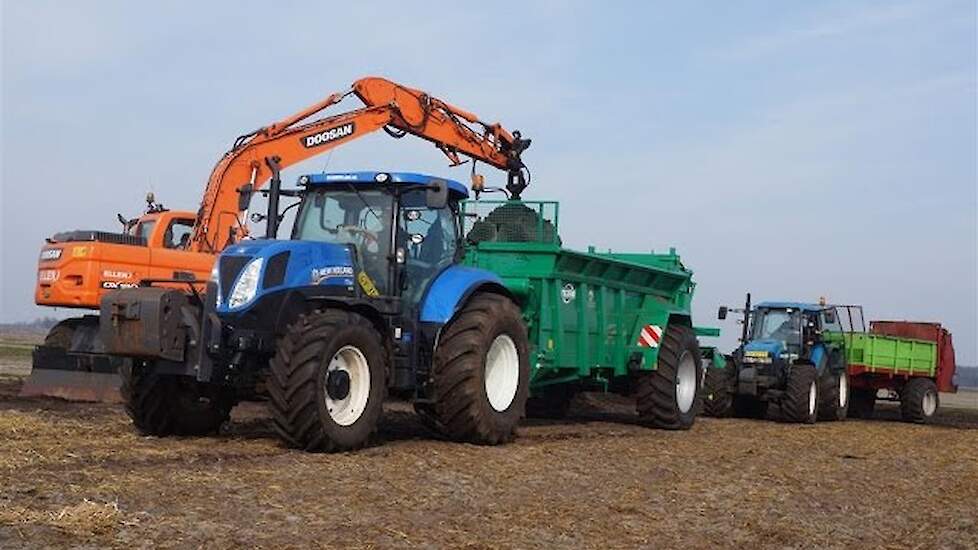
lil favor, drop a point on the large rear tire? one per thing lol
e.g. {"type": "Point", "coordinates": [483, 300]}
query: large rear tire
{"type": "Point", "coordinates": [481, 371]}
{"type": "Point", "coordinates": [919, 400]}
{"type": "Point", "coordinates": [328, 381]}
{"type": "Point", "coordinates": [718, 390]}
{"type": "Point", "coordinates": [800, 400]}
{"type": "Point", "coordinates": [834, 392]}
{"type": "Point", "coordinates": [163, 405]}
{"type": "Point", "coordinates": [668, 397]}
{"type": "Point", "coordinates": [862, 403]}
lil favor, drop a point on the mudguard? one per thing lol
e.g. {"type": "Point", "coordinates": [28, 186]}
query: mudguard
{"type": "Point", "coordinates": [451, 288]}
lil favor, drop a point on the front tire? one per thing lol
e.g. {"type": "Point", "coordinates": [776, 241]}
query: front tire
{"type": "Point", "coordinates": [328, 381]}
{"type": "Point", "coordinates": [800, 400]}
{"type": "Point", "coordinates": [668, 397]}
{"type": "Point", "coordinates": [718, 390]}
{"type": "Point", "coordinates": [163, 405]}
{"type": "Point", "coordinates": [919, 401]}
{"type": "Point", "coordinates": [834, 402]}
{"type": "Point", "coordinates": [481, 371]}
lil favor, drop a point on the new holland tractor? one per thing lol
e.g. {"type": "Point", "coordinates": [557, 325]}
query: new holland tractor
{"type": "Point", "coordinates": [392, 284]}
{"type": "Point", "coordinates": [787, 357]}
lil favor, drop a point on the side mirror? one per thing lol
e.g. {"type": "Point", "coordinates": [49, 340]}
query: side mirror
{"type": "Point", "coordinates": [436, 197]}
{"type": "Point", "coordinates": [722, 313]}
{"type": "Point", "coordinates": [829, 317]}
{"type": "Point", "coordinates": [244, 196]}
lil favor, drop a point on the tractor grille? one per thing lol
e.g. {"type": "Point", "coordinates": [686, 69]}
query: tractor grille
{"type": "Point", "coordinates": [228, 272]}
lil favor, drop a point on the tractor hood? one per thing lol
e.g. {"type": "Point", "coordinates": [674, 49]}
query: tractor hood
{"type": "Point", "coordinates": [248, 270]}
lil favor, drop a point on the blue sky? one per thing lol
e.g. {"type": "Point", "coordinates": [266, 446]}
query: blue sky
{"type": "Point", "coordinates": [794, 149]}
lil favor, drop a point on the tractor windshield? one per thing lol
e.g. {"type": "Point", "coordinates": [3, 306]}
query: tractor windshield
{"type": "Point", "coordinates": [356, 216]}
{"type": "Point", "coordinates": [777, 324]}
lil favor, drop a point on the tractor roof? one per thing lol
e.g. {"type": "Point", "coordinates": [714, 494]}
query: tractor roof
{"type": "Point", "coordinates": [792, 305]}
{"type": "Point", "coordinates": [373, 178]}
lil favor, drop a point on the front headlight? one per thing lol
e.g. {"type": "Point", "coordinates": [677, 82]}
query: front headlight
{"type": "Point", "coordinates": [247, 285]}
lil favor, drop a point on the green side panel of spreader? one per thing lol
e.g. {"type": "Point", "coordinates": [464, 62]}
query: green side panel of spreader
{"type": "Point", "coordinates": [584, 310]}
{"type": "Point", "coordinates": [885, 354]}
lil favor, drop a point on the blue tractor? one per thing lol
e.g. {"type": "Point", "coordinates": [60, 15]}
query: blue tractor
{"type": "Point", "coordinates": [367, 298]}
{"type": "Point", "coordinates": [783, 359]}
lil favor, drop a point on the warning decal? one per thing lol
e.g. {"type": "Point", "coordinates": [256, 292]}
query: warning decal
{"type": "Point", "coordinates": [649, 336]}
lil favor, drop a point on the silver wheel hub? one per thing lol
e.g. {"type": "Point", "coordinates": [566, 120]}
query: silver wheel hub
{"type": "Point", "coordinates": [502, 372]}
{"type": "Point", "coordinates": [929, 404]}
{"type": "Point", "coordinates": [843, 390]}
{"type": "Point", "coordinates": [686, 383]}
{"type": "Point", "coordinates": [347, 385]}
{"type": "Point", "coordinates": [812, 398]}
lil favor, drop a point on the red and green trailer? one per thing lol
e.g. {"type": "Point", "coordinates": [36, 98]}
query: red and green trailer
{"type": "Point", "coordinates": [905, 361]}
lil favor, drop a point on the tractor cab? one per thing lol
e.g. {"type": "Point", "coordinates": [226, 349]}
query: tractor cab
{"type": "Point", "coordinates": [368, 235]}
{"type": "Point", "coordinates": [785, 331]}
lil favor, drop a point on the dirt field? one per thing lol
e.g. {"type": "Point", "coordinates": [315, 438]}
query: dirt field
{"type": "Point", "coordinates": [74, 474]}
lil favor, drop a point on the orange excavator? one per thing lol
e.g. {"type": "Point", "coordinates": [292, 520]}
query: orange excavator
{"type": "Point", "coordinates": [76, 268]}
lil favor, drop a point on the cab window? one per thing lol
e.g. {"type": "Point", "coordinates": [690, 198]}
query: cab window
{"type": "Point", "coordinates": [429, 238]}
{"type": "Point", "coordinates": [144, 229]}
{"type": "Point", "coordinates": [178, 234]}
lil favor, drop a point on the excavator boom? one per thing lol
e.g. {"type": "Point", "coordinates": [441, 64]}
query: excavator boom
{"type": "Point", "coordinates": [77, 273]}
{"type": "Point", "coordinates": [398, 109]}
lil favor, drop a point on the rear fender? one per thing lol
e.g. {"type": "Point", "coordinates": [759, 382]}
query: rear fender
{"type": "Point", "coordinates": [453, 287]}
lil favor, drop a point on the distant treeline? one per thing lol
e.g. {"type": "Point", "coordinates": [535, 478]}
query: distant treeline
{"type": "Point", "coordinates": [41, 324]}
{"type": "Point", "coordinates": [966, 377]}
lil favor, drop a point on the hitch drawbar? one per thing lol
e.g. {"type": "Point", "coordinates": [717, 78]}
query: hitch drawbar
{"type": "Point", "coordinates": [147, 322]}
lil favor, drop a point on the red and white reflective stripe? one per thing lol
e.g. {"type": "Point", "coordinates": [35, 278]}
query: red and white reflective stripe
{"type": "Point", "coordinates": [649, 336]}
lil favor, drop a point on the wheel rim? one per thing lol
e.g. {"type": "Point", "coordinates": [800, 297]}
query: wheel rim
{"type": "Point", "coordinates": [350, 367]}
{"type": "Point", "coordinates": [930, 403]}
{"type": "Point", "coordinates": [502, 373]}
{"type": "Point", "coordinates": [812, 396]}
{"type": "Point", "coordinates": [686, 383]}
{"type": "Point", "coordinates": [843, 390]}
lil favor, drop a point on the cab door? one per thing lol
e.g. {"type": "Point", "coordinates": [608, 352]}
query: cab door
{"type": "Point", "coordinates": [170, 257]}
{"type": "Point", "coordinates": [429, 241]}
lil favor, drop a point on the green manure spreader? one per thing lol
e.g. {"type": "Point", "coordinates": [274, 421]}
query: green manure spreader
{"type": "Point", "coordinates": [604, 321]}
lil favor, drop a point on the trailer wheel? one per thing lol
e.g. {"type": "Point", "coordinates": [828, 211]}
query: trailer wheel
{"type": "Point", "coordinates": [745, 406]}
{"type": "Point", "coordinates": [668, 397]}
{"type": "Point", "coordinates": [800, 400]}
{"type": "Point", "coordinates": [481, 371]}
{"type": "Point", "coordinates": [551, 402]}
{"type": "Point", "coordinates": [919, 400]}
{"type": "Point", "coordinates": [328, 381]}
{"type": "Point", "coordinates": [834, 392]}
{"type": "Point", "coordinates": [862, 403]}
{"type": "Point", "coordinates": [718, 390]}
{"type": "Point", "coordinates": [162, 405]}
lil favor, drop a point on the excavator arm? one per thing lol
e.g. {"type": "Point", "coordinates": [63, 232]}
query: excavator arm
{"type": "Point", "coordinates": [397, 109]}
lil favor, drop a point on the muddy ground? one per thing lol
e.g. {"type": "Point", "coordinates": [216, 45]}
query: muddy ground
{"type": "Point", "coordinates": [76, 474]}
